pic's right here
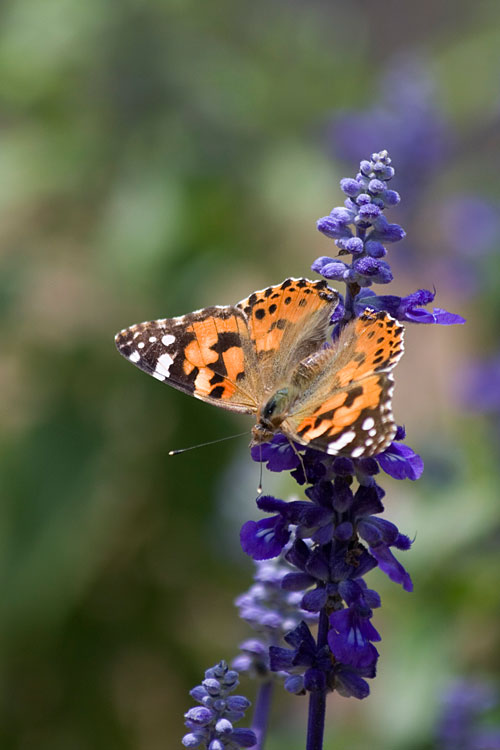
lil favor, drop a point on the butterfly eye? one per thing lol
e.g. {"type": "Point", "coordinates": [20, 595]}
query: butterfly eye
{"type": "Point", "coordinates": [276, 405]}
{"type": "Point", "coordinates": [269, 408]}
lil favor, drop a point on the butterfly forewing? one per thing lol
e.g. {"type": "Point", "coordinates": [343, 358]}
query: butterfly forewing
{"type": "Point", "coordinates": [287, 322]}
{"type": "Point", "coordinates": [205, 354]}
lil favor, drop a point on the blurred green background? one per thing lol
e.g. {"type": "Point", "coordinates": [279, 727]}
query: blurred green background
{"type": "Point", "coordinates": [163, 155]}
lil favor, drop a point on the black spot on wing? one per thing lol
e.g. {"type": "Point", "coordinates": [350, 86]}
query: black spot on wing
{"type": "Point", "coordinates": [226, 340]}
{"type": "Point", "coordinates": [217, 392]}
{"type": "Point", "coordinates": [321, 418]}
{"type": "Point", "coordinates": [216, 378]}
{"type": "Point", "coordinates": [280, 324]}
{"type": "Point", "coordinates": [353, 394]}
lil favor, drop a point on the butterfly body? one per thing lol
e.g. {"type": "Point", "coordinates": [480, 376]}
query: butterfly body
{"type": "Point", "coordinates": [271, 355]}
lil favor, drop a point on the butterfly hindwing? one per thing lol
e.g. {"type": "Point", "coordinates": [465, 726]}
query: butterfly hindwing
{"type": "Point", "coordinates": [349, 411]}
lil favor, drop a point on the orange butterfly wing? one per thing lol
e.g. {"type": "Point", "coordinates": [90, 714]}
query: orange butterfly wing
{"type": "Point", "coordinates": [349, 411]}
{"type": "Point", "coordinates": [231, 356]}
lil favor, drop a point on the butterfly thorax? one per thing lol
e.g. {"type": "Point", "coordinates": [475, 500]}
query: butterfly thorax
{"type": "Point", "coordinates": [278, 407]}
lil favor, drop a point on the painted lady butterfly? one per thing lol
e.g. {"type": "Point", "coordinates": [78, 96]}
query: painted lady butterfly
{"type": "Point", "coordinates": [267, 356]}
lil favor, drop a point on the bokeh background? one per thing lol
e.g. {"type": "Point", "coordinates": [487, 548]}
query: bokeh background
{"type": "Point", "coordinates": [162, 155]}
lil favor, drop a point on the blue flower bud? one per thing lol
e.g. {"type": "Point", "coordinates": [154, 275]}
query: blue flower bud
{"type": "Point", "coordinates": [375, 249]}
{"type": "Point", "coordinates": [376, 186]}
{"type": "Point", "coordinates": [223, 726]}
{"type": "Point", "coordinates": [350, 187]}
{"type": "Point", "coordinates": [365, 167]}
{"type": "Point", "coordinates": [212, 686]}
{"type": "Point", "coordinates": [369, 212]}
{"type": "Point", "coordinates": [333, 227]}
{"type": "Point", "coordinates": [390, 197]}
{"type": "Point", "coordinates": [193, 739]}
{"type": "Point", "coordinates": [294, 684]}
{"type": "Point", "coordinates": [363, 199]}
{"type": "Point", "coordinates": [373, 269]}
{"type": "Point", "coordinates": [353, 245]}
{"type": "Point", "coordinates": [199, 715]}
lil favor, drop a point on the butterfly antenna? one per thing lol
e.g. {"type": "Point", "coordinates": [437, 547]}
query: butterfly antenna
{"type": "Point", "coordinates": [203, 445]}
{"type": "Point", "coordinates": [299, 456]}
{"type": "Point", "coordinates": [259, 488]}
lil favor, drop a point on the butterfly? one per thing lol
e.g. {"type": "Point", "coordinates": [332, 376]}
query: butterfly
{"type": "Point", "coordinates": [271, 355]}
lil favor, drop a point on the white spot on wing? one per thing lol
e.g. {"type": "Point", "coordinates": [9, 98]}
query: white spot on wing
{"type": "Point", "coordinates": [368, 423]}
{"type": "Point", "coordinates": [163, 366]}
{"type": "Point", "coordinates": [167, 339]}
{"type": "Point", "coordinates": [357, 452]}
{"type": "Point", "coordinates": [134, 357]}
{"type": "Point", "coordinates": [152, 339]}
{"type": "Point", "coordinates": [341, 442]}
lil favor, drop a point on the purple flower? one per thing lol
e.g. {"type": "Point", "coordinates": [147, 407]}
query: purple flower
{"type": "Point", "coordinates": [369, 269]}
{"type": "Point", "coordinates": [331, 268]}
{"type": "Point", "coordinates": [360, 228]}
{"type": "Point", "coordinates": [401, 462]}
{"type": "Point", "coordinates": [211, 723]}
{"type": "Point", "coordinates": [271, 611]}
{"type": "Point", "coordinates": [407, 308]}
{"type": "Point", "coordinates": [352, 633]}
{"type": "Point", "coordinates": [385, 232]}
{"type": "Point", "coordinates": [313, 664]}
{"type": "Point", "coordinates": [391, 567]}
{"type": "Point", "coordinates": [266, 538]}
{"type": "Point", "coordinates": [348, 681]}
{"type": "Point", "coordinates": [380, 534]}
{"type": "Point", "coordinates": [278, 455]}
